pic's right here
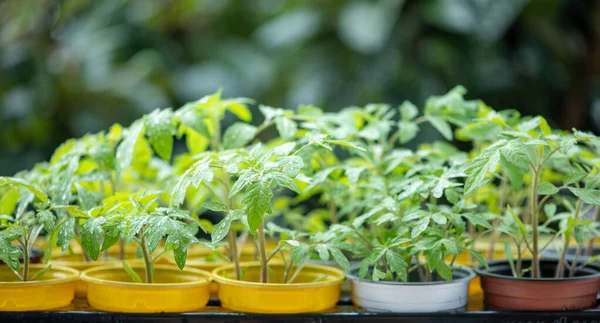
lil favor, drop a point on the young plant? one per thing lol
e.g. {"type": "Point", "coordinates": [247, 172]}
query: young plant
{"type": "Point", "coordinates": [139, 218]}
{"type": "Point", "coordinates": [26, 212]}
{"type": "Point", "coordinates": [561, 186]}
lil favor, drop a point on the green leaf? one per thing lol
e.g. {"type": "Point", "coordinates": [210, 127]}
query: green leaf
{"type": "Point", "coordinates": [547, 188]}
{"type": "Point", "coordinates": [420, 226]}
{"type": "Point", "coordinates": [408, 111]}
{"type": "Point", "coordinates": [515, 174]}
{"type": "Point", "coordinates": [477, 255]}
{"type": "Point", "coordinates": [41, 273]}
{"type": "Point", "coordinates": [215, 206]}
{"type": "Point", "coordinates": [520, 224]}
{"type": "Point", "coordinates": [286, 127]}
{"type": "Point", "coordinates": [194, 121]}
{"type": "Point", "coordinates": [47, 219]}
{"type": "Point", "coordinates": [439, 218]}
{"type": "Point", "coordinates": [575, 177]}
{"type": "Point", "coordinates": [291, 165]}
{"type": "Point", "coordinates": [284, 149]}
{"type": "Point", "coordinates": [126, 148]}
{"type": "Point", "coordinates": [487, 161]}
{"type": "Point", "coordinates": [591, 196]}
{"type": "Point", "coordinates": [238, 135]}
{"type": "Point", "coordinates": [284, 180]}
{"type": "Point", "coordinates": [442, 126]}
{"type": "Point", "coordinates": [91, 236]}
{"type": "Point", "coordinates": [10, 254]}
{"type": "Point", "coordinates": [180, 256]}
{"type": "Point", "coordinates": [134, 276]}
{"type": "Point", "coordinates": [257, 201]}
{"type": "Point", "coordinates": [339, 258]}
{"type": "Point", "coordinates": [478, 220]}
{"type": "Point", "coordinates": [195, 175]}
{"type": "Point", "coordinates": [344, 143]}
{"type": "Point", "coordinates": [444, 271]}
{"type": "Point", "coordinates": [113, 232]}
{"type": "Point", "coordinates": [550, 209]}
{"type": "Point", "coordinates": [66, 233]}
{"type": "Point", "coordinates": [508, 253]}
{"type": "Point", "coordinates": [434, 258]}
{"type": "Point", "coordinates": [408, 131]}
{"type": "Point", "coordinates": [451, 246]}
{"type": "Point", "coordinates": [221, 230]}
{"type": "Point", "coordinates": [397, 264]}
{"type": "Point", "coordinates": [246, 177]}
{"type": "Point", "coordinates": [322, 251]}
{"type": "Point", "coordinates": [157, 228]}
{"type": "Point", "coordinates": [12, 181]}
{"type": "Point", "coordinates": [160, 131]}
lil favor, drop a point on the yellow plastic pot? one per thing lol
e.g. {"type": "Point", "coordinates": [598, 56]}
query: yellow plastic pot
{"type": "Point", "coordinates": [55, 289]}
{"type": "Point", "coordinates": [303, 296]}
{"type": "Point", "coordinates": [111, 289]}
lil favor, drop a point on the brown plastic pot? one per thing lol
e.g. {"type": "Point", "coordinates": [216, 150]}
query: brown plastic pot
{"type": "Point", "coordinates": [502, 291]}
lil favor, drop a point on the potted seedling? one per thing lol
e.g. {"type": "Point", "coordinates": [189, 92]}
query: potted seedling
{"type": "Point", "coordinates": [411, 233]}
{"type": "Point", "coordinates": [27, 212]}
{"type": "Point", "coordinates": [249, 178]}
{"type": "Point", "coordinates": [146, 288]}
{"type": "Point", "coordinates": [523, 155]}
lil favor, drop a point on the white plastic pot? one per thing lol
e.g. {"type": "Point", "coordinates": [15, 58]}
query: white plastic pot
{"type": "Point", "coordinates": [412, 297]}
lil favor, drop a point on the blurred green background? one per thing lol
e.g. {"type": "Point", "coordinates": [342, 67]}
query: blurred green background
{"type": "Point", "coordinates": [68, 67]}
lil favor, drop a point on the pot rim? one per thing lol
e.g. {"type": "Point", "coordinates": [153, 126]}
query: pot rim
{"type": "Point", "coordinates": [484, 272]}
{"type": "Point", "coordinates": [338, 277]}
{"type": "Point", "coordinates": [470, 276]}
{"type": "Point", "coordinates": [72, 275]}
{"type": "Point", "coordinates": [85, 276]}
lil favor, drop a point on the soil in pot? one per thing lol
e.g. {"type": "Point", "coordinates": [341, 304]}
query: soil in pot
{"type": "Point", "coordinates": [315, 289]}
{"type": "Point", "coordinates": [111, 289]}
{"type": "Point", "coordinates": [504, 292]}
{"type": "Point", "coordinates": [55, 289]}
{"type": "Point", "coordinates": [413, 296]}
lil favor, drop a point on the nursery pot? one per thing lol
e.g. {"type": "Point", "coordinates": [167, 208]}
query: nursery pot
{"type": "Point", "coordinates": [55, 289]}
{"type": "Point", "coordinates": [111, 289]}
{"type": "Point", "coordinates": [315, 289]}
{"type": "Point", "coordinates": [412, 296]}
{"type": "Point", "coordinates": [504, 292]}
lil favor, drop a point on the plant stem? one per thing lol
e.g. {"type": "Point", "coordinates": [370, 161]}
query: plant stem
{"type": "Point", "coordinates": [534, 224]}
{"type": "Point", "coordinates": [121, 249]}
{"type": "Point", "coordinates": [590, 247]}
{"type": "Point", "coordinates": [147, 259]}
{"type": "Point", "coordinates": [233, 254]}
{"type": "Point", "coordinates": [561, 263]}
{"type": "Point", "coordinates": [575, 260]}
{"type": "Point", "coordinates": [333, 211]}
{"type": "Point", "coordinates": [25, 261]}
{"type": "Point", "coordinates": [262, 250]}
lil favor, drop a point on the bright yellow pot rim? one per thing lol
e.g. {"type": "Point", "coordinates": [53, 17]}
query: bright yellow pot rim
{"type": "Point", "coordinates": [71, 275]}
{"type": "Point", "coordinates": [336, 274]}
{"type": "Point", "coordinates": [87, 277]}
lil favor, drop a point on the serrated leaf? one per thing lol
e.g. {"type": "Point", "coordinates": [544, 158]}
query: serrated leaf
{"type": "Point", "coordinates": [160, 131]}
{"type": "Point", "coordinates": [284, 180]}
{"type": "Point", "coordinates": [408, 111]}
{"type": "Point", "coordinates": [91, 236]}
{"type": "Point", "coordinates": [547, 188]}
{"type": "Point", "coordinates": [180, 256]}
{"type": "Point", "coordinates": [420, 227]}
{"type": "Point", "coordinates": [24, 184]}
{"type": "Point", "coordinates": [591, 196]}
{"type": "Point", "coordinates": [66, 233]}
{"type": "Point", "coordinates": [477, 255]}
{"type": "Point", "coordinates": [257, 202]}
{"type": "Point", "coordinates": [408, 131]}
{"type": "Point", "coordinates": [220, 230]}
{"type": "Point", "coordinates": [286, 127]}
{"type": "Point", "coordinates": [322, 251]}
{"type": "Point", "coordinates": [442, 126]}
{"type": "Point", "coordinates": [444, 271]}
{"type": "Point", "coordinates": [339, 258]}
{"type": "Point", "coordinates": [575, 177]}
{"type": "Point", "coordinates": [238, 135]}
{"type": "Point", "coordinates": [216, 206]}
{"type": "Point", "coordinates": [285, 149]}
{"type": "Point", "coordinates": [124, 155]}
{"type": "Point", "coordinates": [397, 264]}
{"type": "Point", "coordinates": [291, 165]}
{"type": "Point", "coordinates": [478, 220]}
{"type": "Point", "coordinates": [10, 253]}
{"type": "Point", "coordinates": [47, 219]}
{"type": "Point", "coordinates": [246, 177]}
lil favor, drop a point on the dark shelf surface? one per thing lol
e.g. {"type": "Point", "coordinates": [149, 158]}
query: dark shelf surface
{"type": "Point", "coordinates": [80, 311]}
